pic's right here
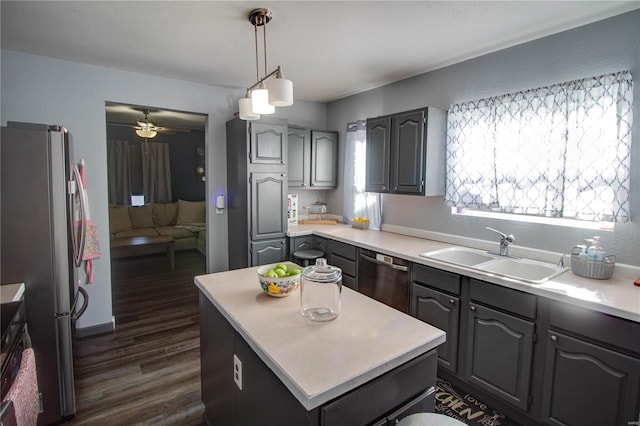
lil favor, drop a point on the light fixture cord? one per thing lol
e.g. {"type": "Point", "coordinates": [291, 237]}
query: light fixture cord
{"type": "Point", "coordinates": [255, 28]}
{"type": "Point", "coordinates": [264, 39]}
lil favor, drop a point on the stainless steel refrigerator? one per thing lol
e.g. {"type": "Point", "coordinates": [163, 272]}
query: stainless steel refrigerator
{"type": "Point", "coordinates": [41, 246]}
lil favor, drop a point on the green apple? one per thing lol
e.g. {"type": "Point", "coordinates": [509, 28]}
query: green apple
{"type": "Point", "coordinates": [281, 266]}
{"type": "Point", "coordinates": [271, 274]}
{"type": "Point", "coordinates": [294, 271]}
{"type": "Point", "coordinates": [280, 272]}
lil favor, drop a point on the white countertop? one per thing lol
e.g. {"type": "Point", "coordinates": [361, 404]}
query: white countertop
{"type": "Point", "coordinates": [318, 361]}
{"type": "Point", "coordinates": [11, 292]}
{"type": "Point", "coordinates": [616, 296]}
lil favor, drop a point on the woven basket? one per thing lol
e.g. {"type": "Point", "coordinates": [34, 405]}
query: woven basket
{"type": "Point", "coordinates": [590, 268]}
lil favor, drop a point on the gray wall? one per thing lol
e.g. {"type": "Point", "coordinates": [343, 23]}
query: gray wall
{"type": "Point", "coordinates": [44, 90]}
{"type": "Point", "coordinates": [599, 48]}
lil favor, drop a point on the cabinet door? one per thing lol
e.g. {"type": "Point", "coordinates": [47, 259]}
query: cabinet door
{"type": "Point", "coordinates": [324, 159]}
{"type": "Point", "coordinates": [378, 152]}
{"type": "Point", "coordinates": [499, 354]}
{"type": "Point", "coordinates": [441, 311]}
{"type": "Point", "coordinates": [265, 252]}
{"type": "Point", "coordinates": [299, 157]}
{"type": "Point", "coordinates": [268, 143]}
{"type": "Point", "coordinates": [268, 210]}
{"type": "Point", "coordinates": [407, 153]}
{"type": "Point", "coordinates": [588, 385]}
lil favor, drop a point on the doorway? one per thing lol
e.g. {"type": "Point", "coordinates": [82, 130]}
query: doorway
{"type": "Point", "coordinates": [156, 187]}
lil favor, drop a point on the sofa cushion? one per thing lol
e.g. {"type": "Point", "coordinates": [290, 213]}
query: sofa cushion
{"type": "Point", "coordinates": [119, 219]}
{"type": "Point", "coordinates": [176, 233]}
{"type": "Point", "coordinates": [141, 217]}
{"type": "Point", "coordinates": [190, 212]}
{"type": "Point", "coordinates": [140, 232]}
{"type": "Point", "coordinates": [164, 214]}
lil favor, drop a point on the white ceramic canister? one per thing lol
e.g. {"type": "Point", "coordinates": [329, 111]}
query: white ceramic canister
{"type": "Point", "coordinates": [320, 291]}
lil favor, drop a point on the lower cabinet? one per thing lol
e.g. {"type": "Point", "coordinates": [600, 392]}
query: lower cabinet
{"type": "Point", "coordinates": [261, 398]}
{"type": "Point", "coordinates": [499, 354]}
{"type": "Point", "coordinates": [442, 311]}
{"type": "Point", "coordinates": [582, 369]}
{"type": "Point", "coordinates": [268, 251]}
{"type": "Point", "coordinates": [344, 256]}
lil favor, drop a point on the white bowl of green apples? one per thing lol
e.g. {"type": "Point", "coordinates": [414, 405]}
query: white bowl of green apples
{"type": "Point", "coordinates": [280, 279]}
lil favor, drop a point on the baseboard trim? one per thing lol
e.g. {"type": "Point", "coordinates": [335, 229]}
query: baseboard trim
{"type": "Point", "coordinates": [107, 327]}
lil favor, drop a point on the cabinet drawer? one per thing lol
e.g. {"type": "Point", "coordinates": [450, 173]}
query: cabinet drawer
{"type": "Point", "coordinates": [348, 266]}
{"type": "Point", "coordinates": [443, 280]}
{"type": "Point", "coordinates": [605, 328]}
{"type": "Point", "coordinates": [506, 299]}
{"type": "Point", "coordinates": [345, 250]}
{"type": "Point", "coordinates": [349, 281]}
{"type": "Point", "coordinates": [373, 400]}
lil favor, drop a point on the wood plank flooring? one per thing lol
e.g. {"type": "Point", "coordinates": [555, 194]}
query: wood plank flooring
{"type": "Point", "coordinates": [147, 371]}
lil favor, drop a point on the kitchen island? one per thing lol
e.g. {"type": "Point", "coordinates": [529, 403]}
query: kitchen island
{"type": "Point", "coordinates": [264, 363]}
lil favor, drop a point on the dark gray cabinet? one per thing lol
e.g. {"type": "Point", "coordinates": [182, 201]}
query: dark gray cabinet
{"type": "Point", "coordinates": [435, 300]}
{"type": "Point", "coordinates": [500, 354]}
{"type": "Point", "coordinates": [591, 368]}
{"type": "Point", "coordinates": [405, 153]}
{"type": "Point", "coordinates": [345, 257]}
{"type": "Point", "coordinates": [268, 251]}
{"type": "Point", "coordinates": [257, 189]}
{"type": "Point", "coordinates": [313, 158]}
{"type": "Point", "coordinates": [262, 398]}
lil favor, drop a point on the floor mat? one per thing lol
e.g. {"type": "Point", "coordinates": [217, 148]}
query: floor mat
{"type": "Point", "coordinates": [466, 408]}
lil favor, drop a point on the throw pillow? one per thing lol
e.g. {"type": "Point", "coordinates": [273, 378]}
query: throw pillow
{"type": "Point", "coordinates": [141, 217]}
{"type": "Point", "coordinates": [119, 219]}
{"type": "Point", "coordinates": [165, 214]}
{"type": "Point", "coordinates": [190, 212]}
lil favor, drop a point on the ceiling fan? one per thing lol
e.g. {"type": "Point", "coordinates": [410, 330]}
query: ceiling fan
{"type": "Point", "coordinates": [146, 128]}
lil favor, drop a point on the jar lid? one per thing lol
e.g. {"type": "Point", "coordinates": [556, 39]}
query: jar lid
{"type": "Point", "coordinates": [321, 272]}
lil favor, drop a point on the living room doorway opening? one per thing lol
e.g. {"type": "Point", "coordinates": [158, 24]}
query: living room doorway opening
{"type": "Point", "coordinates": [157, 191]}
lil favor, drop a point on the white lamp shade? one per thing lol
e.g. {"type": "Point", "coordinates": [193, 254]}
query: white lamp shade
{"type": "Point", "coordinates": [260, 101]}
{"type": "Point", "coordinates": [146, 133]}
{"type": "Point", "coordinates": [246, 111]}
{"type": "Point", "coordinates": [280, 92]}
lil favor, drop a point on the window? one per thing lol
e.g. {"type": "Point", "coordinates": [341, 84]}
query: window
{"type": "Point", "coordinates": [357, 202]}
{"type": "Point", "coordinates": [559, 151]}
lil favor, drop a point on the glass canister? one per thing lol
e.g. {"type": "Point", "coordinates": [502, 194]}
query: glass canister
{"type": "Point", "coordinates": [320, 291]}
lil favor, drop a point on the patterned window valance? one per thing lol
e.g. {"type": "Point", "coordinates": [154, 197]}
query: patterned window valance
{"type": "Point", "coordinates": [558, 151]}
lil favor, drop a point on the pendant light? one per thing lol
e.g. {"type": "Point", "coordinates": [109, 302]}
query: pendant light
{"type": "Point", "coordinates": [273, 89]}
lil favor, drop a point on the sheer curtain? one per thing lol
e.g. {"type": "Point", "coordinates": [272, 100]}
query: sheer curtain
{"type": "Point", "coordinates": [118, 170]}
{"type": "Point", "coordinates": [557, 151]}
{"type": "Point", "coordinates": [156, 172]}
{"type": "Point", "coordinates": [356, 202]}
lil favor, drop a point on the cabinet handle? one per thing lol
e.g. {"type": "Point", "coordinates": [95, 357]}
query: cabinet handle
{"type": "Point", "coordinates": [384, 187]}
{"type": "Point", "coordinates": [473, 308]}
{"type": "Point", "coordinates": [395, 188]}
{"type": "Point", "coordinates": [304, 184]}
{"type": "Point", "coordinates": [554, 338]}
{"type": "Point", "coordinates": [453, 302]}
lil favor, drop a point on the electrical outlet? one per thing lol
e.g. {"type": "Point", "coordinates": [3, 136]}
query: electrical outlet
{"type": "Point", "coordinates": [237, 371]}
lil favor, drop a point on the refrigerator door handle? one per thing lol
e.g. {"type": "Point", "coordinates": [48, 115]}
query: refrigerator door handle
{"type": "Point", "coordinates": [77, 200]}
{"type": "Point", "coordinates": [85, 302]}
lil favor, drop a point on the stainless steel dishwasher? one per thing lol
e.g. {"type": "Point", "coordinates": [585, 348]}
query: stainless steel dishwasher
{"type": "Point", "coordinates": [384, 278]}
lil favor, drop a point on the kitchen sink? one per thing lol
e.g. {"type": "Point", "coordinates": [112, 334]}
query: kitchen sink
{"type": "Point", "coordinates": [523, 269]}
{"type": "Point", "coordinates": [460, 256]}
{"type": "Point", "coordinates": [531, 271]}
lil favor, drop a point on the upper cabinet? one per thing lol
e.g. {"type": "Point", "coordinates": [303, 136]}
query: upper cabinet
{"type": "Point", "coordinates": [267, 143]}
{"type": "Point", "coordinates": [406, 153]}
{"type": "Point", "coordinates": [313, 158]}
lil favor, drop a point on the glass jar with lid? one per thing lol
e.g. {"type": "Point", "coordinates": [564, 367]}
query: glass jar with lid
{"type": "Point", "coordinates": [320, 291]}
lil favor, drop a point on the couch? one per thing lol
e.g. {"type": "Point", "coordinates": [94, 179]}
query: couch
{"type": "Point", "coordinates": [184, 221]}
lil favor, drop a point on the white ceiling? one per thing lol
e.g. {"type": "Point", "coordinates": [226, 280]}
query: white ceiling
{"type": "Point", "coordinates": [328, 49]}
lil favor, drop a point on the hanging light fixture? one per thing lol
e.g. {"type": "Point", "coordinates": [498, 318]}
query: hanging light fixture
{"type": "Point", "coordinates": [145, 128]}
{"type": "Point", "coordinates": [267, 93]}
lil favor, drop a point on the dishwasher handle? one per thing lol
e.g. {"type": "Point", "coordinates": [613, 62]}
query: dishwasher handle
{"type": "Point", "coordinates": [381, 262]}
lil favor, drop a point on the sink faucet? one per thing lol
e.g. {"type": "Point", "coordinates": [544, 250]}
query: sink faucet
{"type": "Point", "coordinates": [505, 241]}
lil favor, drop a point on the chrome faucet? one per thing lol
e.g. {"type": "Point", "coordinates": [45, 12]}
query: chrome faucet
{"type": "Point", "coordinates": [505, 241]}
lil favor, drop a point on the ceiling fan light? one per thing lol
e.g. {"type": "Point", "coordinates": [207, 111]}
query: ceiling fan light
{"type": "Point", "coordinates": [246, 111]}
{"type": "Point", "coordinates": [280, 92]}
{"type": "Point", "coordinates": [146, 133]}
{"type": "Point", "coordinates": [260, 101]}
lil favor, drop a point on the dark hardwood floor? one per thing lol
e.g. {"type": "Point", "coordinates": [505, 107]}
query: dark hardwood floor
{"type": "Point", "coordinates": [148, 370]}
